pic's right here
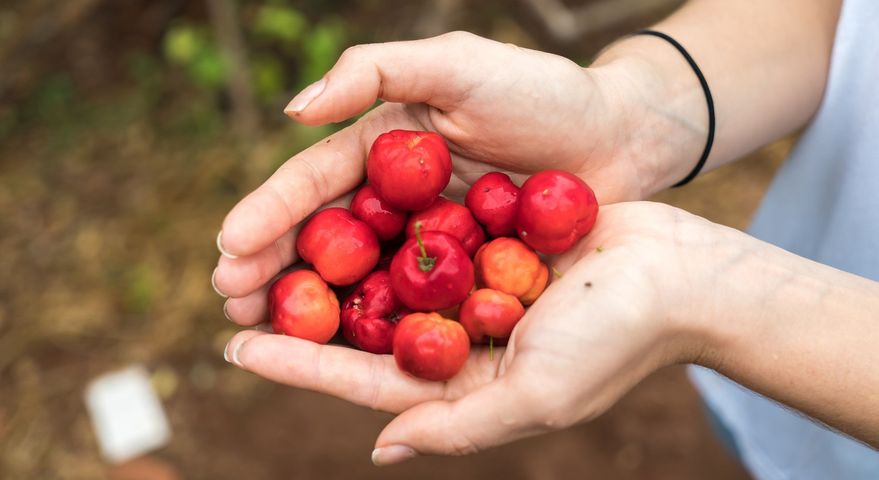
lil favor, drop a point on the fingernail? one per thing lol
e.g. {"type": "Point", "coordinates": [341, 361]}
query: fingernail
{"type": "Point", "coordinates": [226, 310]}
{"type": "Point", "coordinates": [392, 454]}
{"type": "Point", "coordinates": [264, 327]}
{"type": "Point", "coordinates": [305, 97]}
{"type": "Point", "coordinates": [226, 354]}
{"type": "Point", "coordinates": [235, 354]}
{"type": "Point", "coordinates": [221, 249]}
{"type": "Point", "coordinates": [214, 284]}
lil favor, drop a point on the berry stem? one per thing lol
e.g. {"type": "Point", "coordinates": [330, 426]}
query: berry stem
{"type": "Point", "coordinates": [490, 348]}
{"type": "Point", "coordinates": [425, 263]}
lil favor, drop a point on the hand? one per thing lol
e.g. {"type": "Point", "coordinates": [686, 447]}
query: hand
{"type": "Point", "coordinates": [500, 107]}
{"type": "Point", "coordinates": [618, 312]}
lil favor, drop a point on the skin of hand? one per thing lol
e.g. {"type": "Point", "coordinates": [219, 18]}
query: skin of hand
{"type": "Point", "coordinates": [506, 108]}
{"type": "Point", "coordinates": [649, 287]}
{"type": "Point", "coordinates": [615, 315]}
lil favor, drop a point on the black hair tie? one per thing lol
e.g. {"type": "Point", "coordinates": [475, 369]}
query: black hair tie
{"type": "Point", "coordinates": [708, 98]}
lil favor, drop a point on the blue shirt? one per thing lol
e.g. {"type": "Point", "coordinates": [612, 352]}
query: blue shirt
{"type": "Point", "coordinates": [823, 205]}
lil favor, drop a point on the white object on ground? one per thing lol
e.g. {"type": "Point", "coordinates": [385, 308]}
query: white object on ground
{"type": "Point", "coordinates": [126, 413]}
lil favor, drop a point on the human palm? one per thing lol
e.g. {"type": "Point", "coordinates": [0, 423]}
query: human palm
{"type": "Point", "coordinates": [497, 110]}
{"type": "Point", "coordinates": [596, 331]}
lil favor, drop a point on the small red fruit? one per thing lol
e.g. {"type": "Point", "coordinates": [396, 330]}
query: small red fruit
{"type": "Point", "coordinates": [370, 314]}
{"type": "Point", "coordinates": [490, 313]}
{"type": "Point", "coordinates": [508, 265]}
{"type": "Point", "coordinates": [555, 210]}
{"type": "Point", "coordinates": [431, 271]}
{"type": "Point", "coordinates": [341, 248]}
{"type": "Point", "coordinates": [444, 215]}
{"type": "Point", "coordinates": [493, 200]}
{"type": "Point", "coordinates": [431, 347]}
{"type": "Point", "coordinates": [386, 221]}
{"type": "Point", "coordinates": [409, 169]}
{"type": "Point", "coordinates": [302, 305]}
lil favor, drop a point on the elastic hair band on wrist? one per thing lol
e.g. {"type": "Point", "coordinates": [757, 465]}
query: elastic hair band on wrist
{"type": "Point", "coordinates": [708, 98]}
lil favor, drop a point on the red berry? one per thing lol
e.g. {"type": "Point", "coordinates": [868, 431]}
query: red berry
{"type": "Point", "coordinates": [555, 210]}
{"type": "Point", "coordinates": [409, 169]}
{"type": "Point", "coordinates": [341, 248]}
{"type": "Point", "coordinates": [302, 305]}
{"type": "Point", "coordinates": [444, 215]}
{"type": "Point", "coordinates": [508, 265]}
{"type": "Point", "coordinates": [431, 274]}
{"type": "Point", "coordinates": [493, 200]}
{"type": "Point", "coordinates": [386, 221]}
{"type": "Point", "coordinates": [490, 313]}
{"type": "Point", "coordinates": [431, 347]}
{"type": "Point", "coordinates": [370, 314]}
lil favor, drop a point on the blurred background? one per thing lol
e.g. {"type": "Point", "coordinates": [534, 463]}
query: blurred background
{"type": "Point", "coordinates": [127, 131]}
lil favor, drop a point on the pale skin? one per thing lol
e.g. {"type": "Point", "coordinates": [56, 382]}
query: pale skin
{"type": "Point", "coordinates": [666, 287]}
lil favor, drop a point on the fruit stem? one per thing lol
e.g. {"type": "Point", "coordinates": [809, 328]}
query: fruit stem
{"type": "Point", "coordinates": [425, 263]}
{"type": "Point", "coordinates": [490, 348]}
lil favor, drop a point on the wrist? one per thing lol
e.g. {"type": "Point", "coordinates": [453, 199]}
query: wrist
{"type": "Point", "coordinates": [661, 106]}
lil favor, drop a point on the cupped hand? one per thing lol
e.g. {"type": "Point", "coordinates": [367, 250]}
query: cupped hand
{"type": "Point", "coordinates": [500, 107]}
{"type": "Point", "coordinates": [616, 313]}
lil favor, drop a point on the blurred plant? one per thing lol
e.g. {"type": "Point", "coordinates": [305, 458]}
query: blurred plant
{"type": "Point", "coordinates": [192, 47]}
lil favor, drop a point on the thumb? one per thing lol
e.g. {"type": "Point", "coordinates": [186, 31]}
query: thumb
{"type": "Point", "coordinates": [420, 71]}
{"type": "Point", "coordinates": [500, 412]}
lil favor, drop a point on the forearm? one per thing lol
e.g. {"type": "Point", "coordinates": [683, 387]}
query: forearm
{"type": "Point", "coordinates": [765, 62]}
{"type": "Point", "coordinates": [799, 332]}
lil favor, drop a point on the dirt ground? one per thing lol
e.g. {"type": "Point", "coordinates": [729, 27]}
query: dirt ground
{"type": "Point", "coordinates": [111, 194]}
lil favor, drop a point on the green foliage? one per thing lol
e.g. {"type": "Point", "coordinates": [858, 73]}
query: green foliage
{"type": "Point", "coordinates": [321, 49]}
{"type": "Point", "coordinates": [141, 286]}
{"type": "Point", "coordinates": [279, 22]}
{"type": "Point", "coordinates": [268, 76]}
{"type": "Point", "coordinates": [192, 47]}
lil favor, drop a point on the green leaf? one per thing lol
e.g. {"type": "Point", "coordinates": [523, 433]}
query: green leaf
{"type": "Point", "coordinates": [279, 22]}
{"type": "Point", "coordinates": [322, 49]}
{"type": "Point", "coordinates": [183, 43]}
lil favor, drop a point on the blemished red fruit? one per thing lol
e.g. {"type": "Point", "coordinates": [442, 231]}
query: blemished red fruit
{"type": "Point", "coordinates": [431, 272]}
{"type": "Point", "coordinates": [493, 199]}
{"type": "Point", "coordinates": [490, 313]}
{"type": "Point", "coordinates": [555, 210]}
{"type": "Point", "coordinates": [302, 305]}
{"type": "Point", "coordinates": [444, 215]}
{"type": "Point", "coordinates": [409, 169]}
{"type": "Point", "coordinates": [508, 265]}
{"type": "Point", "coordinates": [430, 347]}
{"type": "Point", "coordinates": [342, 249]}
{"type": "Point", "coordinates": [386, 221]}
{"type": "Point", "coordinates": [370, 314]}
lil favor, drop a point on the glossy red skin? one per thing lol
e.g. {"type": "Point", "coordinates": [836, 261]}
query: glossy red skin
{"type": "Point", "coordinates": [444, 215]}
{"type": "Point", "coordinates": [302, 305]}
{"type": "Point", "coordinates": [493, 200]}
{"type": "Point", "coordinates": [555, 210]}
{"type": "Point", "coordinates": [386, 221]}
{"type": "Point", "coordinates": [444, 286]}
{"type": "Point", "coordinates": [409, 169]}
{"type": "Point", "coordinates": [490, 313]}
{"type": "Point", "coordinates": [341, 248]}
{"type": "Point", "coordinates": [430, 347]}
{"type": "Point", "coordinates": [370, 314]}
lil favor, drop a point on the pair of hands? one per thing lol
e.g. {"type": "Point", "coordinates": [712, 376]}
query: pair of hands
{"type": "Point", "coordinates": [619, 311]}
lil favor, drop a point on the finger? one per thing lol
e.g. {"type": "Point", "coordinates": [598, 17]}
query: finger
{"type": "Point", "coordinates": [358, 377]}
{"type": "Point", "coordinates": [499, 412]}
{"type": "Point", "coordinates": [308, 180]}
{"type": "Point", "coordinates": [248, 310]}
{"type": "Point", "coordinates": [421, 71]}
{"type": "Point", "coordinates": [238, 277]}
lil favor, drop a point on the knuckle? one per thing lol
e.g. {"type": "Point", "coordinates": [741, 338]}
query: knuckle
{"type": "Point", "coordinates": [353, 52]}
{"type": "Point", "coordinates": [460, 36]}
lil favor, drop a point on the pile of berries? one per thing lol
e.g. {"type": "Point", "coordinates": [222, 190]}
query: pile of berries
{"type": "Point", "coordinates": [427, 280]}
